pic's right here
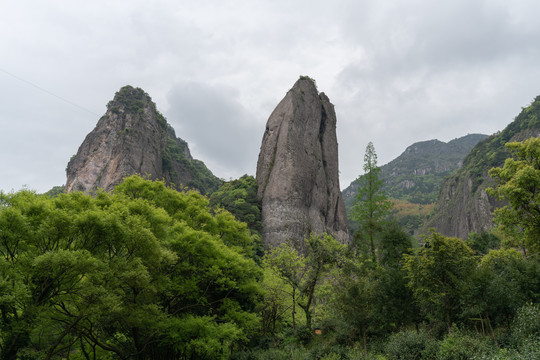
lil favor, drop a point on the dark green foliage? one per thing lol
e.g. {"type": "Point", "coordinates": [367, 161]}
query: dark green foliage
{"type": "Point", "coordinates": [526, 326]}
{"type": "Point", "coordinates": [129, 99]}
{"type": "Point", "coordinates": [460, 345]}
{"type": "Point", "coordinates": [411, 345]}
{"type": "Point", "coordinates": [239, 197]}
{"type": "Point", "coordinates": [483, 242]}
{"type": "Point", "coordinates": [436, 274]}
{"type": "Point", "coordinates": [182, 169]}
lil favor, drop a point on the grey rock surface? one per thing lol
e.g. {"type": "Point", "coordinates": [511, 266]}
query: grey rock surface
{"type": "Point", "coordinates": [297, 169]}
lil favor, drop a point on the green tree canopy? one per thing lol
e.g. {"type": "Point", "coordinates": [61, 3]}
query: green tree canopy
{"type": "Point", "coordinates": [518, 182]}
{"type": "Point", "coordinates": [436, 273]}
{"type": "Point", "coordinates": [144, 273]}
{"type": "Point", "coordinates": [304, 272]}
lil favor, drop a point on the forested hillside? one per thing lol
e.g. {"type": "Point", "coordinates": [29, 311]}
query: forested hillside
{"type": "Point", "coordinates": [417, 174]}
{"type": "Point", "coordinates": [413, 179]}
{"type": "Point", "coordinates": [463, 206]}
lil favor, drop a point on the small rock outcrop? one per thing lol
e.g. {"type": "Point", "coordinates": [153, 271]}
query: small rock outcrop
{"type": "Point", "coordinates": [134, 138]}
{"type": "Point", "coordinates": [297, 169]}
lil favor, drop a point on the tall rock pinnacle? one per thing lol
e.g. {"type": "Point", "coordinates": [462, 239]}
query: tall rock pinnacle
{"type": "Point", "coordinates": [134, 138]}
{"type": "Point", "coordinates": [297, 170]}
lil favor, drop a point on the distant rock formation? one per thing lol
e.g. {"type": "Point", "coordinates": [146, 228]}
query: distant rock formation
{"type": "Point", "coordinates": [417, 174]}
{"type": "Point", "coordinates": [134, 138]}
{"type": "Point", "coordinates": [297, 170]}
{"type": "Point", "coordinates": [463, 205]}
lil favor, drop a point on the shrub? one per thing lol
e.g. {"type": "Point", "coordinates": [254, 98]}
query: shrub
{"type": "Point", "coordinates": [410, 345]}
{"type": "Point", "coordinates": [462, 346]}
{"type": "Point", "coordinates": [526, 325]}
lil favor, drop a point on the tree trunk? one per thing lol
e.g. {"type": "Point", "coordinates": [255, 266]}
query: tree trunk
{"type": "Point", "coordinates": [491, 331]}
{"type": "Point", "coordinates": [294, 308]}
{"type": "Point", "coordinates": [364, 337]}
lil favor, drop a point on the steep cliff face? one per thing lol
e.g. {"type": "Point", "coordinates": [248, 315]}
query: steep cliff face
{"type": "Point", "coordinates": [134, 138]}
{"type": "Point", "coordinates": [463, 205]}
{"type": "Point", "coordinates": [297, 169]}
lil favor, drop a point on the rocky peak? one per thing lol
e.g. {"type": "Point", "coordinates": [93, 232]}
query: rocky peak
{"type": "Point", "coordinates": [297, 170]}
{"type": "Point", "coordinates": [134, 138]}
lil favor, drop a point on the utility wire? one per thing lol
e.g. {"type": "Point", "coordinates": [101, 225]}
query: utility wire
{"type": "Point", "coordinates": [48, 92]}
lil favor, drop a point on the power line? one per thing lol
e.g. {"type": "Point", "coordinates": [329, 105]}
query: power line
{"type": "Point", "coordinates": [47, 92]}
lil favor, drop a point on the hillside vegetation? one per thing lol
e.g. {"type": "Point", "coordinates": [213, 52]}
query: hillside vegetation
{"type": "Point", "coordinates": [463, 205]}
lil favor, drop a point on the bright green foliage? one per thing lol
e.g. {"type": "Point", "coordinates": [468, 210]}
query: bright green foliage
{"type": "Point", "coordinates": [239, 197]}
{"type": "Point", "coordinates": [518, 182]}
{"type": "Point", "coordinates": [436, 273]}
{"type": "Point", "coordinates": [145, 273]}
{"type": "Point", "coordinates": [304, 272]}
{"type": "Point", "coordinates": [371, 205]}
{"type": "Point", "coordinates": [277, 307]}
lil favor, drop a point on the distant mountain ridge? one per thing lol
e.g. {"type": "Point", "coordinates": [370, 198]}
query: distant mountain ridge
{"type": "Point", "coordinates": [134, 138]}
{"type": "Point", "coordinates": [417, 174]}
{"type": "Point", "coordinates": [463, 205]}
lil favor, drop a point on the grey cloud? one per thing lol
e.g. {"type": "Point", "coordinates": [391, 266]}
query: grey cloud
{"type": "Point", "coordinates": [397, 71]}
{"type": "Point", "coordinates": [217, 127]}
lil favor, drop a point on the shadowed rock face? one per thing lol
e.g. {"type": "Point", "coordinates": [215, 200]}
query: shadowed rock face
{"type": "Point", "coordinates": [297, 170]}
{"type": "Point", "coordinates": [134, 138]}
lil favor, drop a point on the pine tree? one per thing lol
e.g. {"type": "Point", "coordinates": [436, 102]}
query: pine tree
{"type": "Point", "coordinates": [371, 206]}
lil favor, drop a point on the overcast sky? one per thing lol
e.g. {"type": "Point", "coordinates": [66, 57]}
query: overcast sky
{"type": "Point", "coordinates": [397, 72]}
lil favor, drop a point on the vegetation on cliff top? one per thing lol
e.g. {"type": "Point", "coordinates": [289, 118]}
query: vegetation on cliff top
{"type": "Point", "coordinates": [492, 152]}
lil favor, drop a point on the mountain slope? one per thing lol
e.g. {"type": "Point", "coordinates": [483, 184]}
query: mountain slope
{"type": "Point", "coordinates": [463, 205]}
{"type": "Point", "coordinates": [416, 175]}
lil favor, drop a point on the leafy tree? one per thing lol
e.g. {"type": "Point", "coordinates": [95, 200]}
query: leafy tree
{"type": "Point", "coordinates": [144, 273]}
{"type": "Point", "coordinates": [436, 273]}
{"type": "Point", "coordinates": [395, 304]}
{"type": "Point", "coordinates": [371, 205]}
{"type": "Point", "coordinates": [278, 302]}
{"type": "Point", "coordinates": [518, 182]}
{"type": "Point", "coordinates": [355, 297]}
{"type": "Point", "coordinates": [483, 242]}
{"type": "Point", "coordinates": [239, 197]}
{"type": "Point", "coordinates": [305, 272]}
{"type": "Point", "coordinates": [493, 292]}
